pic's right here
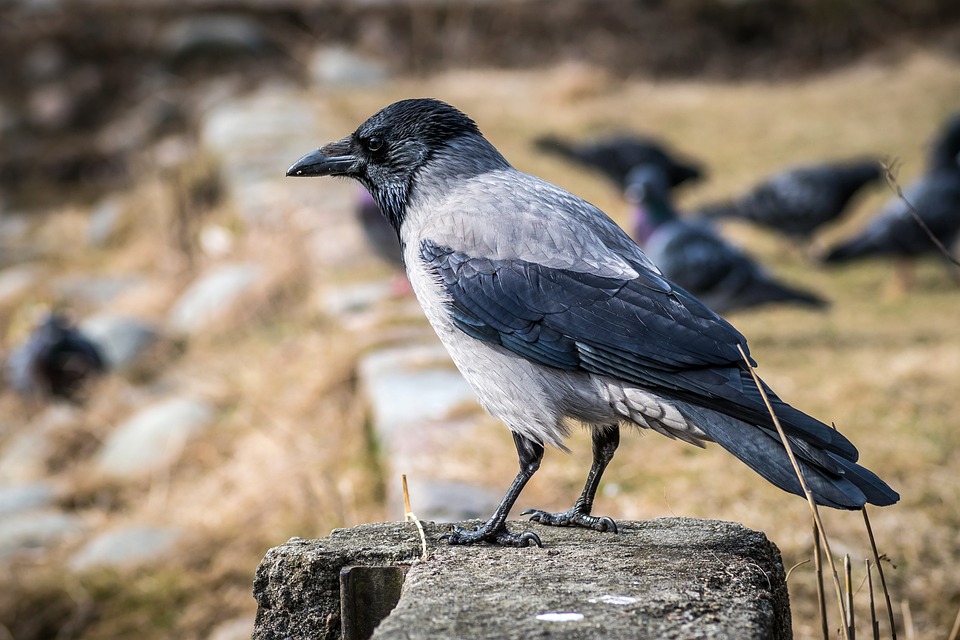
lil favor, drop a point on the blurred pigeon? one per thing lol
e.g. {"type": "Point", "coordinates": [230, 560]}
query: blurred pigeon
{"type": "Point", "coordinates": [616, 154]}
{"type": "Point", "coordinates": [556, 317]}
{"type": "Point", "coordinates": [55, 361]}
{"type": "Point", "coordinates": [798, 201]}
{"type": "Point", "coordinates": [694, 256]}
{"type": "Point", "coordinates": [935, 197]}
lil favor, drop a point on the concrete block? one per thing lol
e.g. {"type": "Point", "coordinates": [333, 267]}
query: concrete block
{"type": "Point", "coordinates": [664, 578]}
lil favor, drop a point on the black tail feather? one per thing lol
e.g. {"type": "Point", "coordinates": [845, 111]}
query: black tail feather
{"type": "Point", "coordinates": [840, 484]}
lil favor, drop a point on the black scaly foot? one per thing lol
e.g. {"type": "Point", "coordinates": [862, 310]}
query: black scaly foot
{"type": "Point", "coordinates": [494, 530]}
{"type": "Point", "coordinates": [605, 443]}
{"type": "Point", "coordinates": [504, 538]}
{"type": "Point", "coordinates": [572, 518]}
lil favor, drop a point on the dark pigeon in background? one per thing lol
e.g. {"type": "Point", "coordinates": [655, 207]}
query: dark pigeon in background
{"type": "Point", "coordinates": [935, 196]}
{"type": "Point", "coordinates": [798, 201]}
{"type": "Point", "coordinates": [615, 155]}
{"type": "Point", "coordinates": [56, 361]}
{"type": "Point", "coordinates": [692, 254]}
{"type": "Point", "coordinates": [555, 317]}
{"type": "Point", "coordinates": [381, 237]}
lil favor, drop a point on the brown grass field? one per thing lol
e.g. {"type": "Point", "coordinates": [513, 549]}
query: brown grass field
{"type": "Point", "coordinates": [288, 456]}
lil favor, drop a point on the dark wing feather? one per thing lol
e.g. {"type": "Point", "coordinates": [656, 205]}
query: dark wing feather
{"type": "Point", "coordinates": [642, 331]}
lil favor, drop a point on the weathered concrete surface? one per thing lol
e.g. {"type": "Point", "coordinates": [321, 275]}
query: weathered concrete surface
{"type": "Point", "coordinates": [665, 578]}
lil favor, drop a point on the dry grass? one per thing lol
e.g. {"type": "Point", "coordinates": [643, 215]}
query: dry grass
{"type": "Point", "coordinates": [289, 456]}
{"type": "Point", "coordinates": [879, 364]}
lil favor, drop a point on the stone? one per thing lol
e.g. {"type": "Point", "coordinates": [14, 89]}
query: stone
{"type": "Point", "coordinates": [121, 339]}
{"type": "Point", "coordinates": [336, 242]}
{"type": "Point", "coordinates": [664, 578]}
{"type": "Point", "coordinates": [419, 402]}
{"type": "Point", "coordinates": [24, 455]}
{"type": "Point", "coordinates": [237, 629]}
{"type": "Point", "coordinates": [153, 438]}
{"type": "Point", "coordinates": [105, 221]}
{"type": "Point", "coordinates": [51, 106]}
{"type": "Point", "coordinates": [411, 385]}
{"type": "Point", "coordinates": [213, 36]}
{"type": "Point", "coordinates": [339, 66]}
{"type": "Point", "coordinates": [216, 240]}
{"type": "Point", "coordinates": [16, 499]}
{"type": "Point", "coordinates": [95, 290]}
{"type": "Point", "coordinates": [253, 136]}
{"type": "Point", "coordinates": [32, 530]}
{"type": "Point", "coordinates": [16, 281]}
{"type": "Point", "coordinates": [126, 546]}
{"type": "Point", "coordinates": [450, 501]}
{"type": "Point", "coordinates": [255, 139]}
{"type": "Point", "coordinates": [14, 227]}
{"type": "Point", "coordinates": [212, 296]}
{"type": "Point", "coordinates": [343, 300]}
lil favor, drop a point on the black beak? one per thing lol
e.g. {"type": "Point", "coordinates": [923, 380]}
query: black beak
{"type": "Point", "coordinates": [318, 163]}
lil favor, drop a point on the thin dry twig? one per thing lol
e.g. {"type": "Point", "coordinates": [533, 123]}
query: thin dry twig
{"type": "Point", "coordinates": [955, 632]}
{"type": "Point", "coordinates": [821, 596]}
{"type": "Point", "coordinates": [888, 170]}
{"type": "Point", "coordinates": [803, 486]}
{"type": "Point", "coordinates": [883, 581]}
{"type": "Point", "coordinates": [406, 496]}
{"type": "Point", "coordinates": [851, 622]}
{"type": "Point", "coordinates": [799, 564]}
{"type": "Point", "coordinates": [908, 629]}
{"type": "Point", "coordinates": [874, 623]}
{"type": "Point", "coordinates": [411, 516]}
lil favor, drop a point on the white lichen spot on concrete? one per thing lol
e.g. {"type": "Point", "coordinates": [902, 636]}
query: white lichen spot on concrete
{"type": "Point", "coordinates": [560, 617]}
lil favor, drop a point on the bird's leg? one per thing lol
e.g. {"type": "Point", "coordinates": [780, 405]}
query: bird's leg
{"type": "Point", "coordinates": [605, 443]}
{"type": "Point", "coordinates": [494, 530]}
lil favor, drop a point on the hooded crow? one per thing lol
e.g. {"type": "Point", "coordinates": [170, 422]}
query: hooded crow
{"type": "Point", "coordinates": [797, 201]}
{"type": "Point", "coordinates": [692, 254]}
{"type": "Point", "coordinates": [934, 197]}
{"type": "Point", "coordinates": [616, 154]}
{"type": "Point", "coordinates": [556, 317]}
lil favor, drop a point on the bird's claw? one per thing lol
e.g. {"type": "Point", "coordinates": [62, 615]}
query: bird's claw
{"type": "Point", "coordinates": [502, 537]}
{"type": "Point", "coordinates": [572, 518]}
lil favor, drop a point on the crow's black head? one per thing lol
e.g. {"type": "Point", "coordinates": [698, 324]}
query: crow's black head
{"type": "Point", "coordinates": [388, 150]}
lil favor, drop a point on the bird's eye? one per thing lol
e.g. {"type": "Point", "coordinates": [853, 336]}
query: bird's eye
{"type": "Point", "coordinates": [374, 143]}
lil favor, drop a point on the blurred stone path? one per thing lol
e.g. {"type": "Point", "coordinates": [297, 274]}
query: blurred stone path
{"type": "Point", "coordinates": [419, 405]}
